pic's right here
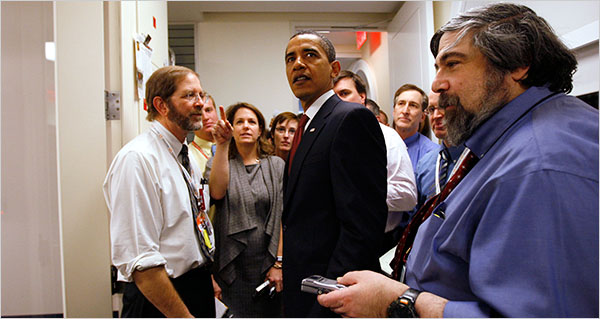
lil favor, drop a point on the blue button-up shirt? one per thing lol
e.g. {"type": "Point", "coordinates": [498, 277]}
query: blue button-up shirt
{"type": "Point", "coordinates": [520, 236]}
{"type": "Point", "coordinates": [418, 145]}
{"type": "Point", "coordinates": [425, 171]}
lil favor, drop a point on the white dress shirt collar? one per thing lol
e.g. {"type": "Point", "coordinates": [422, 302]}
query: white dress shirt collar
{"type": "Point", "coordinates": [316, 106]}
{"type": "Point", "coordinates": [169, 137]}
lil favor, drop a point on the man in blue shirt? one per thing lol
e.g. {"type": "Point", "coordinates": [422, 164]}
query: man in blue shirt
{"type": "Point", "coordinates": [435, 168]}
{"type": "Point", "coordinates": [518, 236]}
{"type": "Point", "coordinates": [409, 105]}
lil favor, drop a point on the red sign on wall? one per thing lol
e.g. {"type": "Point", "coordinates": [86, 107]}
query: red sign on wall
{"type": "Point", "coordinates": [361, 38]}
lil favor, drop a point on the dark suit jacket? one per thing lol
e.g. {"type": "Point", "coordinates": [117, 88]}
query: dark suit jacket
{"type": "Point", "coordinates": [334, 202]}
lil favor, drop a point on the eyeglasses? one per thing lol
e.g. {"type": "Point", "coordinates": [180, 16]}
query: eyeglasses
{"type": "Point", "coordinates": [282, 130]}
{"type": "Point", "coordinates": [430, 109]}
{"type": "Point", "coordinates": [195, 97]}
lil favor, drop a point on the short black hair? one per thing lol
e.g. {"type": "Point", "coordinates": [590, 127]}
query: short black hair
{"type": "Point", "coordinates": [323, 41]}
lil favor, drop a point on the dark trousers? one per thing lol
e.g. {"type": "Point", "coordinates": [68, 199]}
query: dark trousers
{"type": "Point", "coordinates": [194, 287]}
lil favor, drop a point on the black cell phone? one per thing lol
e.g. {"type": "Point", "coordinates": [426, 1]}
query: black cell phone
{"type": "Point", "coordinates": [316, 284]}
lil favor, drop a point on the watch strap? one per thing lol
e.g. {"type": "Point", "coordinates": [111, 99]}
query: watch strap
{"type": "Point", "coordinates": [404, 306]}
{"type": "Point", "coordinates": [411, 294]}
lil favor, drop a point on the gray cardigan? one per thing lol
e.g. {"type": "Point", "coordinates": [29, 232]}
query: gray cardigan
{"type": "Point", "coordinates": [232, 231]}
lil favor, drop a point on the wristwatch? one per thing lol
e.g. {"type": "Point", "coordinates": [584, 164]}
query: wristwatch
{"type": "Point", "coordinates": [404, 306]}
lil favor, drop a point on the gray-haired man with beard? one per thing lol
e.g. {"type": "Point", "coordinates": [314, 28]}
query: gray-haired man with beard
{"type": "Point", "coordinates": [161, 239]}
{"type": "Point", "coordinates": [514, 233]}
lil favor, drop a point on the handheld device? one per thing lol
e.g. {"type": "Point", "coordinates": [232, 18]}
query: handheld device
{"type": "Point", "coordinates": [316, 284]}
{"type": "Point", "coordinates": [261, 289]}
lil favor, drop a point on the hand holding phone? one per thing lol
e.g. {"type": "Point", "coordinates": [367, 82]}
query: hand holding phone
{"type": "Point", "coordinates": [316, 284]}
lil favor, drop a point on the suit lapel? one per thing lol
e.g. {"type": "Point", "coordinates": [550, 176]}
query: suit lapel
{"type": "Point", "coordinates": [308, 138]}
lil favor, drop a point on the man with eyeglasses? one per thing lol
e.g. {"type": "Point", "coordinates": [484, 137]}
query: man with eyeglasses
{"type": "Point", "coordinates": [409, 105]}
{"type": "Point", "coordinates": [435, 168]}
{"type": "Point", "coordinates": [162, 241]}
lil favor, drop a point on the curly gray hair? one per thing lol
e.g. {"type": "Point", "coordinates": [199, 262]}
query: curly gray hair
{"type": "Point", "coordinates": [511, 36]}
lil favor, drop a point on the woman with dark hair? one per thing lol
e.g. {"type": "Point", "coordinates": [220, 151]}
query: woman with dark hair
{"type": "Point", "coordinates": [283, 128]}
{"type": "Point", "coordinates": [246, 184]}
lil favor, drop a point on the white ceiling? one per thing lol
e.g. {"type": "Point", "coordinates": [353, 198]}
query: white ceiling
{"type": "Point", "coordinates": [288, 6]}
{"type": "Point", "coordinates": [179, 10]}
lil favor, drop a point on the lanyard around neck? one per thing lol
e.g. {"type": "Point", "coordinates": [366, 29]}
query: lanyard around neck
{"type": "Point", "coordinates": [187, 176]}
{"type": "Point", "coordinates": [200, 149]}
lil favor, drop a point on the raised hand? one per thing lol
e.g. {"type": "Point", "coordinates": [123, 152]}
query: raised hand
{"type": "Point", "coordinates": [222, 131]}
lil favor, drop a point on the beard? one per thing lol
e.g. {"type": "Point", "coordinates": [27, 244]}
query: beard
{"type": "Point", "coordinates": [460, 123]}
{"type": "Point", "coordinates": [185, 122]}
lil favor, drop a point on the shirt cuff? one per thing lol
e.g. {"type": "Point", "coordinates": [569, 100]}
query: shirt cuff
{"type": "Point", "coordinates": [144, 261]}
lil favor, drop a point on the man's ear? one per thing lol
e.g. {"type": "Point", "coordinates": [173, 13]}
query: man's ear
{"type": "Point", "coordinates": [160, 105]}
{"type": "Point", "coordinates": [519, 74]}
{"type": "Point", "coordinates": [363, 98]}
{"type": "Point", "coordinates": [335, 68]}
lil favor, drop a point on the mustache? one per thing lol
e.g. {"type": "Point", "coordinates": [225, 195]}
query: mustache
{"type": "Point", "coordinates": [446, 100]}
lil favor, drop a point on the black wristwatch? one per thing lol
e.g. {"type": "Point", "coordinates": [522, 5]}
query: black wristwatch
{"type": "Point", "coordinates": [404, 306]}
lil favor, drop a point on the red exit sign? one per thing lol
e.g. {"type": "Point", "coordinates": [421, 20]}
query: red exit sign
{"type": "Point", "coordinates": [361, 38]}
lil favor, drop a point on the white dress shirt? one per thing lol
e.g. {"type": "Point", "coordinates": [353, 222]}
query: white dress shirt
{"type": "Point", "coordinates": [151, 222]}
{"type": "Point", "coordinates": [314, 108]}
{"type": "Point", "coordinates": [401, 188]}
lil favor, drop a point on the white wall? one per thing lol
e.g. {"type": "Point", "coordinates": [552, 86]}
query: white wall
{"type": "Point", "coordinates": [239, 56]}
{"type": "Point", "coordinates": [585, 80]}
{"type": "Point", "coordinates": [54, 228]}
{"type": "Point", "coordinates": [31, 272]}
{"type": "Point", "coordinates": [409, 34]}
{"type": "Point", "coordinates": [82, 158]}
{"type": "Point", "coordinates": [238, 63]}
{"type": "Point", "coordinates": [134, 17]}
{"type": "Point", "coordinates": [378, 60]}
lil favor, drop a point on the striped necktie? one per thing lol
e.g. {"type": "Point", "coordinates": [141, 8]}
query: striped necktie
{"type": "Point", "coordinates": [444, 162]}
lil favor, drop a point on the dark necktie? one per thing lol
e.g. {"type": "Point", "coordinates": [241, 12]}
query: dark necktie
{"type": "Point", "coordinates": [444, 167]}
{"type": "Point", "coordinates": [408, 237]}
{"type": "Point", "coordinates": [185, 160]}
{"type": "Point", "coordinates": [197, 215]}
{"type": "Point", "coordinates": [297, 138]}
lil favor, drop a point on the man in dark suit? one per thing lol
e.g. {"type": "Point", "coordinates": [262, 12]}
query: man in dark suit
{"type": "Point", "coordinates": [335, 187]}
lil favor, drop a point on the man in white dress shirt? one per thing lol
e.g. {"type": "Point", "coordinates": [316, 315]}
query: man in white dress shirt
{"type": "Point", "coordinates": [401, 187]}
{"type": "Point", "coordinates": [161, 244]}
